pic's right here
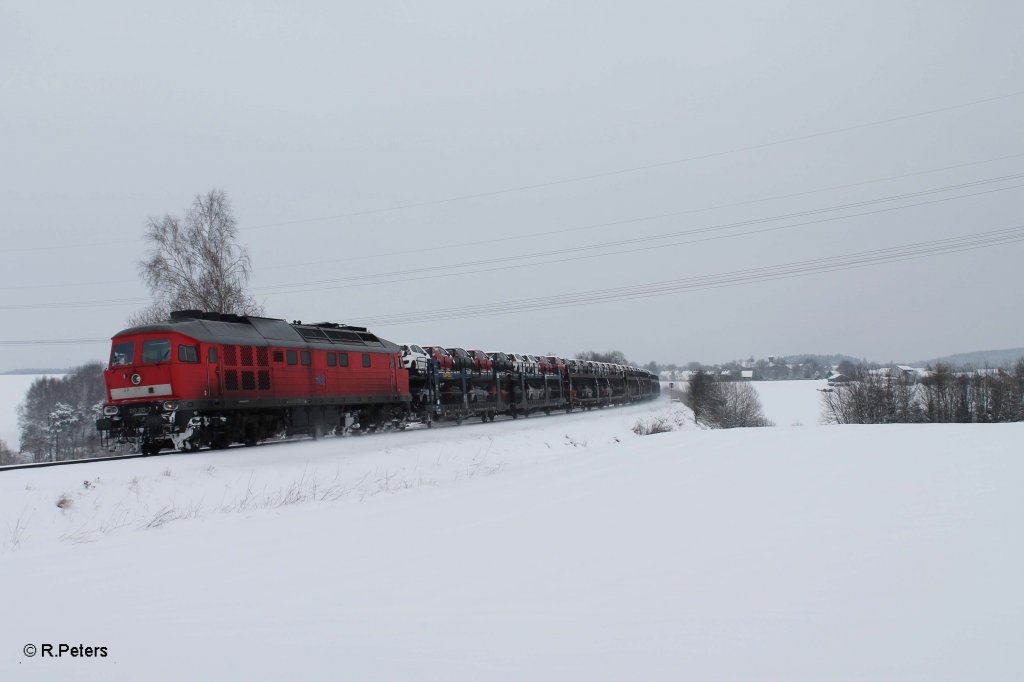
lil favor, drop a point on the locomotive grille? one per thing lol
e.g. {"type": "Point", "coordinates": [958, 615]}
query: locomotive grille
{"type": "Point", "coordinates": [231, 379]}
{"type": "Point", "coordinates": [261, 357]}
{"type": "Point", "coordinates": [247, 356]}
{"type": "Point", "coordinates": [230, 356]}
{"type": "Point", "coordinates": [264, 379]}
{"type": "Point", "coordinates": [248, 381]}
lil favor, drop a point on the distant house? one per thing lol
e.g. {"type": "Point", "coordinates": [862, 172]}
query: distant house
{"type": "Point", "coordinates": [898, 372]}
{"type": "Point", "coordinates": [747, 375]}
{"type": "Point", "coordinates": [838, 378]}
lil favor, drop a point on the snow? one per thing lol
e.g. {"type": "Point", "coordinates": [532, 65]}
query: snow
{"type": "Point", "coordinates": [788, 402]}
{"type": "Point", "coordinates": [12, 393]}
{"type": "Point", "coordinates": [551, 548]}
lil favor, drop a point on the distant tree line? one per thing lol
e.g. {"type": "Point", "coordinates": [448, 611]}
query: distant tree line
{"type": "Point", "coordinates": [57, 419]}
{"type": "Point", "coordinates": [723, 404]}
{"type": "Point", "coordinates": [941, 395]}
{"type": "Point", "coordinates": [772, 368]}
{"type": "Point", "coordinates": [616, 357]}
{"type": "Point", "coordinates": [6, 455]}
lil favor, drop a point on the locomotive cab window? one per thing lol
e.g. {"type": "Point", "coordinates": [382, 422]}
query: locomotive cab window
{"type": "Point", "coordinates": [293, 358]}
{"type": "Point", "coordinates": [305, 357]}
{"type": "Point", "coordinates": [343, 359]}
{"type": "Point", "coordinates": [366, 359]}
{"type": "Point", "coordinates": [332, 360]}
{"type": "Point", "coordinates": [156, 350]}
{"type": "Point", "coordinates": [122, 354]}
{"type": "Point", "coordinates": [211, 355]}
{"type": "Point", "coordinates": [188, 353]}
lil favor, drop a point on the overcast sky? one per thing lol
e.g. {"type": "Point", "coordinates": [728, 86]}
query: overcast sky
{"type": "Point", "coordinates": [306, 113]}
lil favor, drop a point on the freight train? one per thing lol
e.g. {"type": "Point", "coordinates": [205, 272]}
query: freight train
{"type": "Point", "coordinates": [210, 380]}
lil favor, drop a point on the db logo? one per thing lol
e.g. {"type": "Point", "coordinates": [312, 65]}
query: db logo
{"type": "Point", "coordinates": [136, 378]}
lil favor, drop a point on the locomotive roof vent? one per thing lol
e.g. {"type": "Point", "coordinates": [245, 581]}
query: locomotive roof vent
{"type": "Point", "coordinates": [335, 325]}
{"type": "Point", "coordinates": [204, 315]}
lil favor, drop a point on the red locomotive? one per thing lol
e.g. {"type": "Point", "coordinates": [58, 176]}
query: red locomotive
{"type": "Point", "coordinates": [210, 379]}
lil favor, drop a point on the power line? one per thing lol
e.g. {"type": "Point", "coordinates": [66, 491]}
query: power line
{"type": "Point", "coordinates": [621, 252]}
{"type": "Point", "coordinates": [282, 288]}
{"type": "Point", "coordinates": [732, 278]}
{"type": "Point", "coordinates": [899, 253]}
{"type": "Point", "coordinates": [617, 244]}
{"type": "Point", "coordinates": [546, 233]}
{"type": "Point", "coordinates": [580, 178]}
{"type": "Point", "coordinates": [592, 226]}
{"type": "Point", "coordinates": [53, 342]}
{"type": "Point", "coordinates": [634, 169]}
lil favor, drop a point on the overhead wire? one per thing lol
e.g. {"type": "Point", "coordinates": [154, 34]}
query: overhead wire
{"type": "Point", "coordinates": [648, 238]}
{"type": "Point", "coordinates": [660, 164]}
{"type": "Point", "coordinates": [550, 232]}
{"type": "Point", "coordinates": [579, 178]}
{"type": "Point", "coordinates": [334, 283]}
{"type": "Point", "coordinates": [897, 253]}
{"type": "Point", "coordinates": [593, 226]}
{"type": "Point", "coordinates": [823, 265]}
{"type": "Point", "coordinates": [621, 252]}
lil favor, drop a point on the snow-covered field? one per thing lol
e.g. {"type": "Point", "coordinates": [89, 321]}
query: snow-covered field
{"type": "Point", "coordinates": [552, 548]}
{"type": "Point", "coordinates": [791, 403]}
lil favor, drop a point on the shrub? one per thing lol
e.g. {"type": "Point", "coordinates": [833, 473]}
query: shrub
{"type": "Point", "coordinates": [646, 427]}
{"type": "Point", "coordinates": [723, 405]}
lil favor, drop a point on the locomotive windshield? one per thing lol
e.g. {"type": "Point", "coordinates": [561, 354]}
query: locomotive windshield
{"type": "Point", "coordinates": [156, 350]}
{"type": "Point", "coordinates": [122, 354]}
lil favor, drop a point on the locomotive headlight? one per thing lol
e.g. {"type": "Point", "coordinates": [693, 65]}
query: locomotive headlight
{"type": "Point", "coordinates": [171, 405]}
{"type": "Point", "coordinates": [110, 410]}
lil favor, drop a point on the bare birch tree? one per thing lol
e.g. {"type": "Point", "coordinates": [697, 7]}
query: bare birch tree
{"type": "Point", "coordinates": [196, 263]}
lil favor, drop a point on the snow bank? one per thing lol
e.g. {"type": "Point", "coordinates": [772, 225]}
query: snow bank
{"type": "Point", "coordinates": [546, 549]}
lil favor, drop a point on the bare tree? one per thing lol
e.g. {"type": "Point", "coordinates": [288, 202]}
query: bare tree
{"type": "Point", "coordinates": [740, 406]}
{"type": "Point", "coordinates": [613, 356]}
{"type": "Point", "coordinates": [723, 405]}
{"type": "Point", "coordinates": [196, 262]}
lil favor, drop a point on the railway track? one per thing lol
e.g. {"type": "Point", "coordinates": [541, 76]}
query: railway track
{"type": "Point", "coordinates": [240, 446]}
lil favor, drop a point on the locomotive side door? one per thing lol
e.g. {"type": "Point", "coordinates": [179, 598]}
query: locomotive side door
{"type": "Point", "coordinates": [213, 373]}
{"type": "Point", "coordinates": [394, 375]}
